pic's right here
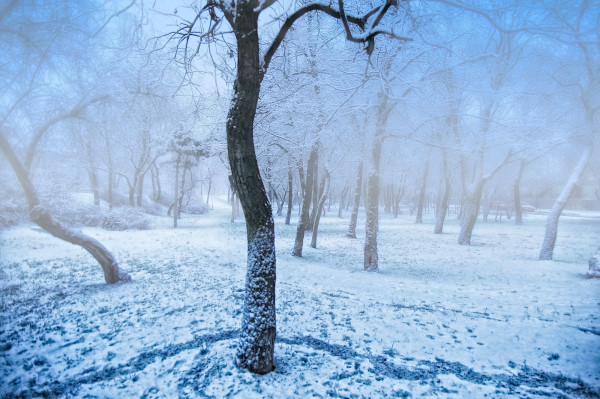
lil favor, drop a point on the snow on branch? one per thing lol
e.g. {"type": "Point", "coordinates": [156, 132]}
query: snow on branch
{"type": "Point", "coordinates": [360, 21]}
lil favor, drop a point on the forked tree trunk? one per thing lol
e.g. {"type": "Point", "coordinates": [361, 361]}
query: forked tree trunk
{"type": "Point", "coordinates": [40, 216]}
{"type": "Point", "coordinates": [419, 218]}
{"type": "Point", "coordinates": [324, 193]}
{"type": "Point", "coordinates": [306, 201]}
{"type": "Point", "coordinates": [357, 191]}
{"type": "Point", "coordinates": [257, 336]}
{"type": "Point", "coordinates": [547, 249]}
{"type": "Point", "coordinates": [517, 194]}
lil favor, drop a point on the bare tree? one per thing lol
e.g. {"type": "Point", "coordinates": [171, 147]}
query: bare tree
{"type": "Point", "coordinates": [258, 332]}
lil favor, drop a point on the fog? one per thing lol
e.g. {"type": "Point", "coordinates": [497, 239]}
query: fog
{"type": "Point", "coordinates": [354, 125]}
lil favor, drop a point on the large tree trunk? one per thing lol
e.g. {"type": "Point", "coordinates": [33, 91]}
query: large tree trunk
{"type": "Point", "coordinates": [470, 211]}
{"type": "Point", "coordinates": [306, 201]}
{"type": "Point", "coordinates": [176, 196]}
{"type": "Point", "coordinates": [257, 337]}
{"type": "Point", "coordinates": [40, 216]}
{"type": "Point", "coordinates": [371, 257]}
{"type": "Point", "coordinates": [419, 218]}
{"type": "Point", "coordinates": [357, 191]}
{"type": "Point", "coordinates": [324, 193]}
{"type": "Point", "coordinates": [517, 194]}
{"type": "Point", "coordinates": [552, 222]}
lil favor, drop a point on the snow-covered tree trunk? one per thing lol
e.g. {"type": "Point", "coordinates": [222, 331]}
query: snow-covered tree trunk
{"type": "Point", "coordinates": [594, 270]}
{"type": "Point", "coordinates": [470, 211]}
{"type": "Point", "coordinates": [517, 194]}
{"type": "Point", "coordinates": [419, 218]}
{"type": "Point", "coordinates": [358, 190]}
{"type": "Point", "coordinates": [322, 200]}
{"type": "Point", "coordinates": [288, 216]}
{"type": "Point", "coordinates": [40, 216]}
{"type": "Point", "coordinates": [306, 201]}
{"type": "Point", "coordinates": [371, 257]}
{"type": "Point", "coordinates": [443, 208]}
{"type": "Point", "coordinates": [547, 249]}
{"type": "Point", "coordinates": [257, 336]}
{"type": "Point", "coordinates": [176, 196]}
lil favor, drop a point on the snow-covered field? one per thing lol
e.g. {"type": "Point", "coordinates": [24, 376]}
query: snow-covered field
{"type": "Point", "coordinates": [438, 320]}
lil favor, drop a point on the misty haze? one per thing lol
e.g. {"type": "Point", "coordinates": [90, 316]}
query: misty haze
{"type": "Point", "coordinates": [296, 199]}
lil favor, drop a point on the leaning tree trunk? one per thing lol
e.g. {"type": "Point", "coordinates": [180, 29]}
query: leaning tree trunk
{"type": "Point", "coordinates": [354, 217]}
{"type": "Point", "coordinates": [306, 201]}
{"type": "Point", "coordinates": [419, 218]}
{"type": "Point", "coordinates": [322, 200]}
{"type": "Point", "coordinates": [443, 210]}
{"type": "Point", "coordinates": [552, 222]}
{"type": "Point", "coordinates": [40, 216]}
{"type": "Point", "coordinates": [517, 194]}
{"type": "Point", "coordinates": [257, 336]}
{"type": "Point", "coordinates": [470, 212]}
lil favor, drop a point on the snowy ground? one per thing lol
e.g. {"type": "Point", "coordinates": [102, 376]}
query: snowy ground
{"type": "Point", "coordinates": [438, 320]}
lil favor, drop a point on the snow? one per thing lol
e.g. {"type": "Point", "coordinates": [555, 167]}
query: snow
{"type": "Point", "coordinates": [439, 319]}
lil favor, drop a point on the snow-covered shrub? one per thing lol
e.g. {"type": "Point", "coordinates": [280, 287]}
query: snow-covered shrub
{"type": "Point", "coordinates": [126, 218]}
{"type": "Point", "coordinates": [69, 211]}
{"type": "Point", "coordinates": [13, 210]}
{"type": "Point", "coordinates": [195, 209]}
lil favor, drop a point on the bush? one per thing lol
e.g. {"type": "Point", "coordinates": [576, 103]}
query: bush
{"type": "Point", "coordinates": [69, 211]}
{"type": "Point", "coordinates": [126, 218]}
{"type": "Point", "coordinates": [13, 210]}
{"type": "Point", "coordinates": [195, 209]}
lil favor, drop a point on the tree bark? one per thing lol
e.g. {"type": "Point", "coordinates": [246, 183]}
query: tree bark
{"type": "Point", "coordinates": [443, 209]}
{"type": "Point", "coordinates": [257, 337]}
{"type": "Point", "coordinates": [176, 196]}
{"type": "Point", "coordinates": [92, 173]}
{"type": "Point", "coordinates": [306, 201]}
{"type": "Point", "coordinates": [517, 194]}
{"type": "Point", "coordinates": [315, 194]}
{"type": "Point", "coordinates": [325, 191]}
{"type": "Point", "coordinates": [40, 216]}
{"type": "Point", "coordinates": [419, 218]}
{"type": "Point", "coordinates": [288, 216]}
{"type": "Point", "coordinates": [342, 200]}
{"type": "Point", "coordinates": [547, 249]}
{"type": "Point", "coordinates": [371, 256]}
{"type": "Point", "coordinates": [140, 191]}
{"type": "Point", "coordinates": [357, 191]}
{"type": "Point", "coordinates": [470, 211]}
